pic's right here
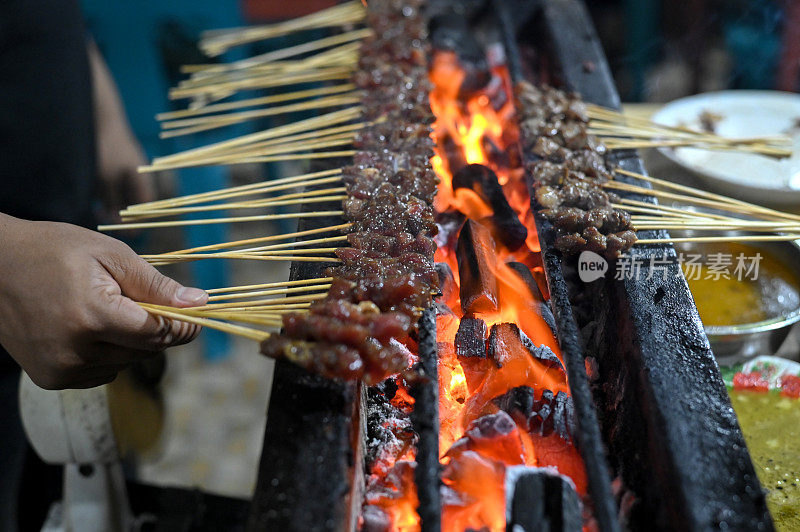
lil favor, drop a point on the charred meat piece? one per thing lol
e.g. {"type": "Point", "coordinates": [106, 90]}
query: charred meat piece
{"type": "Point", "coordinates": [329, 360]}
{"type": "Point", "coordinates": [393, 245]}
{"type": "Point", "coordinates": [406, 293]}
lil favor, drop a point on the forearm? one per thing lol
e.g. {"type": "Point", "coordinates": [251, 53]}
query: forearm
{"type": "Point", "coordinates": [118, 152]}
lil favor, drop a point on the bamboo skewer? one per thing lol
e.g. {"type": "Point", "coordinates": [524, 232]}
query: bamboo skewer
{"type": "Point", "coordinates": [218, 120]}
{"type": "Point", "coordinates": [347, 88]}
{"type": "Point", "coordinates": [188, 207]}
{"type": "Point", "coordinates": [274, 249]}
{"type": "Point", "coordinates": [257, 240]}
{"type": "Point", "coordinates": [263, 302]}
{"type": "Point", "coordinates": [233, 219]}
{"type": "Point", "coordinates": [259, 293]}
{"type": "Point", "coordinates": [173, 257]}
{"type": "Point", "coordinates": [333, 133]}
{"type": "Point", "coordinates": [217, 42]}
{"type": "Point", "coordinates": [265, 186]}
{"type": "Point", "coordinates": [712, 196]}
{"type": "Point", "coordinates": [246, 332]}
{"type": "Point", "coordinates": [287, 156]}
{"type": "Point", "coordinates": [703, 202]}
{"type": "Point", "coordinates": [263, 80]}
{"type": "Point", "coordinates": [268, 285]}
{"type": "Point", "coordinates": [731, 238]}
{"type": "Point", "coordinates": [220, 148]}
{"type": "Point", "coordinates": [267, 319]}
{"type": "Point", "coordinates": [740, 215]}
{"type": "Point", "coordinates": [242, 256]}
{"type": "Point", "coordinates": [611, 118]}
{"type": "Point", "coordinates": [271, 149]}
{"type": "Point", "coordinates": [303, 199]}
{"type": "Point", "coordinates": [344, 55]}
{"type": "Point", "coordinates": [620, 131]}
{"type": "Point", "coordinates": [291, 307]}
{"type": "Point", "coordinates": [192, 315]}
{"type": "Point", "coordinates": [284, 53]}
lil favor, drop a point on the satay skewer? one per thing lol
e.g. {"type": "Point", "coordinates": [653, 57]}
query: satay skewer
{"type": "Point", "coordinates": [272, 185]}
{"type": "Point", "coordinates": [283, 53]}
{"type": "Point", "coordinates": [211, 221]}
{"type": "Point", "coordinates": [217, 42]}
{"type": "Point", "coordinates": [721, 238]}
{"type": "Point", "coordinates": [237, 330]}
{"type": "Point", "coordinates": [276, 291]}
{"type": "Point", "coordinates": [269, 285]}
{"type": "Point", "coordinates": [257, 240]}
{"type": "Point", "coordinates": [222, 147]}
{"type": "Point", "coordinates": [345, 88]}
{"type": "Point", "coordinates": [303, 199]}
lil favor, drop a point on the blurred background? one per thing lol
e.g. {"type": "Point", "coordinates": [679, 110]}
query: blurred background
{"type": "Point", "coordinates": [216, 389]}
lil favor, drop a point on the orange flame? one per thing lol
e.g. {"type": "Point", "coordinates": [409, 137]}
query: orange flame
{"type": "Point", "coordinates": [475, 478]}
{"type": "Point", "coordinates": [474, 472]}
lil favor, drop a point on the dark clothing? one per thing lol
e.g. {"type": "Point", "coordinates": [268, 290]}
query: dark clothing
{"type": "Point", "coordinates": [47, 152]}
{"type": "Point", "coordinates": [47, 162]}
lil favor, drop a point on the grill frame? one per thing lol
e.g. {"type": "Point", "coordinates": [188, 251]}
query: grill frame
{"type": "Point", "coordinates": [674, 411]}
{"type": "Point", "coordinates": [656, 365]}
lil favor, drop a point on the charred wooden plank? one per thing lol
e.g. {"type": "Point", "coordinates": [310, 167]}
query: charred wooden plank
{"type": "Point", "coordinates": [477, 262]}
{"type": "Point", "coordinates": [505, 224]}
{"type": "Point", "coordinates": [541, 500]}
{"type": "Point", "coordinates": [502, 338]}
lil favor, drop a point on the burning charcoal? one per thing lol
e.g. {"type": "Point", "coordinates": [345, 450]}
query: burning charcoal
{"type": "Point", "coordinates": [447, 281]}
{"type": "Point", "coordinates": [450, 31]}
{"type": "Point", "coordinates": [494, 436]}
{"type": "Point", "coordinates": [375, 519]}
{"type": "Point", "coordinates": [483, 181]}
{"type": "Point", "coordinates": [471, 338]}
{"type": "Point", "coordinates": [541, 422]}
{"type": "Point", "coordinates": [541, 500]}
{"type": "Point", "coordinates": [389, 433]}
{"type": "Point", "coordinates": [388, 388]}
{"type": "Point", "coordinates": [476, 269]}
{"type": "Point", "coordinates": [553, 414]}
{"type": "Point", "coordinates": [503, 335]}
{"type": "Point", "coordinates": [518, 402]}
{"type": "Point", "coordinates": [564, 416]}
{"type": "Point", "coordinates": [543, 307]}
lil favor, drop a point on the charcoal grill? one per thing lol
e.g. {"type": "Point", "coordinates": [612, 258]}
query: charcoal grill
{"type": "Point", "coordinates": [655, 415]}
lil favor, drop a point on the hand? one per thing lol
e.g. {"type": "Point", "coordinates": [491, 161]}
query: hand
{"type": "Point", "coordinates": [67, 310]}
{"type": "Point", "coordinates": [119, 156]}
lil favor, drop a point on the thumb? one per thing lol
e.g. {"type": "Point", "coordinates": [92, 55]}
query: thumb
{"type": "Point", "coordinates": [141, 282]}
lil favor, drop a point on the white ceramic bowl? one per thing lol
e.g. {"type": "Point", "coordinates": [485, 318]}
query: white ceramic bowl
{"type": "Point", "coordinates": [751, 177]}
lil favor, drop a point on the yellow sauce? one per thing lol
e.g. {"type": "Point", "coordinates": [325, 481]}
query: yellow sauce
{"type": "Point", "coordinates": [732, 301]}
{"type": "Point", "coordinates": [771, 426]}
